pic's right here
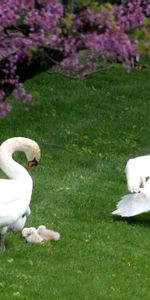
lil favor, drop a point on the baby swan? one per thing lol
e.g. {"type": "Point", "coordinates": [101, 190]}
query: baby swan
{"type": "Point", "coordinates": [16, 191]}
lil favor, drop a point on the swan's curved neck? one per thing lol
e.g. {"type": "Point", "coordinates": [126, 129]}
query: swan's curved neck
{"type": "Point", "coordinates": [8, 165]}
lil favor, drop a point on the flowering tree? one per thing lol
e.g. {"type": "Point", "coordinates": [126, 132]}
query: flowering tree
{"type": "Point", "coordinates": [116, 31]}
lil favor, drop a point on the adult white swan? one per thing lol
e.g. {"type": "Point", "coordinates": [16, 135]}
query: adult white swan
{"type": "Point", "coordinates": [138, 182]}
{"type": "Point", "coordinates": [15, 192]}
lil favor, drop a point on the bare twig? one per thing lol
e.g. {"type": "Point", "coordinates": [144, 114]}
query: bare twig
{"type": "Point", "coordinates": [78, 76]}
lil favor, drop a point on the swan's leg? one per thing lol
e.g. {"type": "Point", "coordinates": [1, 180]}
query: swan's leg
{"type": "Point", "coordinates": [2, 242]}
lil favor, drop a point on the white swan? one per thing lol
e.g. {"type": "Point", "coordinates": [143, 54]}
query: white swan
{"type": "Point", "coordinates": [15, 192]}
{"type": "Point", "coordinates": [138, 181]}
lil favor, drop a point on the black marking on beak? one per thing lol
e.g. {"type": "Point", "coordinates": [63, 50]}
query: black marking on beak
{"type": "Point", "coordinates": [32, 163]}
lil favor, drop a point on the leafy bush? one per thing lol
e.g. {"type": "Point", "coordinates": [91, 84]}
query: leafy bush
{"type": "Point", "coordinates": [105, 30]}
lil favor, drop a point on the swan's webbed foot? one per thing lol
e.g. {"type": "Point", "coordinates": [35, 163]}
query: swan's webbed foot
{"type": "Point", "coordinates": [2, 242]}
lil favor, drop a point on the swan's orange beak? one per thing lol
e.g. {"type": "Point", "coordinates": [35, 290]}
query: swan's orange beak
{"type": "Point", "coordinates": [30, 166]}
{"type": "Point", "coordinates": [32, 163]}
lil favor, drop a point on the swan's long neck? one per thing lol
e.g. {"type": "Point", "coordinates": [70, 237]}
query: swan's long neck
{"type": "Point", "coordinates": [9, 166]}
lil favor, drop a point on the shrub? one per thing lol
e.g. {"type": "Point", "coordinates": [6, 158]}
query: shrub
{"type": "Point", "coordinates": [105, 30]}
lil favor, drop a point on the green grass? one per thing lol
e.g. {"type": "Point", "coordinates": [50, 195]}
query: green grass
{"type": "Point", "coordinates": [87, 130]}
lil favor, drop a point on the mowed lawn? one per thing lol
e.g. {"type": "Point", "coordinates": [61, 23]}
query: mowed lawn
{"type": "Point", "coordinates": [87, 130]}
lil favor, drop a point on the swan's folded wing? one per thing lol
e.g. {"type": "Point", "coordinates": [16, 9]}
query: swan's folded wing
{"type": "Point", "coordinates": [10, 190]}
{"type": "Point", "coordinates": [15, 196]}
{"type": "Point", "coordinates": [132, 205]}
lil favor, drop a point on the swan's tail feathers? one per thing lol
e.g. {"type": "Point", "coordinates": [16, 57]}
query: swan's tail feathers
{"type": "Point", "coordinates": [132, 205]}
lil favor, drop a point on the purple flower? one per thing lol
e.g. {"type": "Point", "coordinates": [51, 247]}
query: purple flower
{"type": "Point", "coordinates": [4, 109]}
{"type": "Point", "coordinates": [104, 33]}
{"type": "Point", "coordinates": [2, 95]}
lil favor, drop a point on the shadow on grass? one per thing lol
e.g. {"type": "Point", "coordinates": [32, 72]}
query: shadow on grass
{"type": "Point", "coordinates": [142, 220]}
{"type": "Point", "coordinates": [43, 59]}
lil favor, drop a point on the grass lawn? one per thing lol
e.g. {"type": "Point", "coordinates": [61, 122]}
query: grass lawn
{"type": "Point", "coordinates": [87, 130]}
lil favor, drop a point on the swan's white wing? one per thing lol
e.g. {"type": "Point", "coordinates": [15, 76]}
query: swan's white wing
{"type": "Point", "coordinates": [132, 205]}
{"type": "Point", "coordinates": [15, 196]}
{"type": "Point", "coordinates": [10, 190]}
